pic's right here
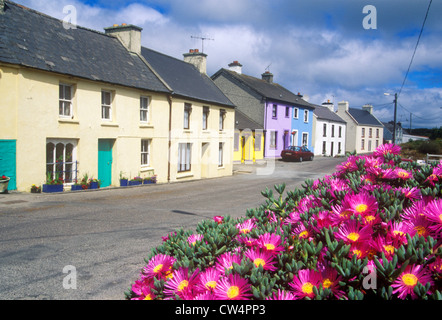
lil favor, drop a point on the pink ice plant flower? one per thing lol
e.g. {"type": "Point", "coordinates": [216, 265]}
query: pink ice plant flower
{"type": "Point", "coordinates": [406, 282]}
{"type": "Point", "coordinates": [159, 266]}
{"type": "Point", "coordinates": [262, 258]}
{"type": "Point", "coordinates": [226, 260]}
{"type": "Point", "coordinates": [352, 232]}
{"type": "Point", "coordinates": [281, 295]}
{"type": "Point", "coordinates": [270, 242]}
{"type": "Point", "coordinates": [246, 226]}
{"type": "Point", "coordinates": [232, 287]}
{"type": "Point", "coordinates": [182, 284]}
{"type": "Point", "coordinates": [302, 284]}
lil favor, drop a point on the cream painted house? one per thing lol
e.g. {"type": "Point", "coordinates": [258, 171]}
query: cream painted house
{"type": "Point", "coordinates": [364, 131]}
{"type": "Point", "coordinates": [74, 101]}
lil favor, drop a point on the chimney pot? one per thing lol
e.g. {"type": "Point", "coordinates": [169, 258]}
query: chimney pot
{"type": "Point", "coordinates": [267, 76]}
{"type": "Point", "coordinates": [236, 67]}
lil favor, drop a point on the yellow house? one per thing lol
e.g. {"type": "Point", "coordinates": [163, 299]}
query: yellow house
{"type": "Point", "coordinates": [248, 140]}
{"type": "Point", "coordinates": [74, 101]}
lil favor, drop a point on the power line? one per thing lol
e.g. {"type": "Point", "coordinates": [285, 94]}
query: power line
{"type": "Point", "coordinates": [417, 44]}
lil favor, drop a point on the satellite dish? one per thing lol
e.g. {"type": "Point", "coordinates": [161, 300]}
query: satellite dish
{"type": "Point", "coordinates": [306, 97]}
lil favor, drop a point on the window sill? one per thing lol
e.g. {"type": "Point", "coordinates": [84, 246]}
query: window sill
{"type": "Point", "coordinates": [146, 168]}
{"type": "Point", "coordinates": [146, 125]}
{"type": "Point", "coordinates": [187, 131]}
{"type": "Point", "coordinates": [182, 175]}
{"type": "Point", "coordinates": [109, 124]}
{"type": "Point", "coordinates": [68, 120]}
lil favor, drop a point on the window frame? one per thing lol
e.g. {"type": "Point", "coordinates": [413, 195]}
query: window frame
{"type": "Point", "coordinates": [185, 166]}
{"type": "Point", "coordinates": [145, 152]}
{"type": "Point", "coordinates": [105, 106]}
{"type": "Point", "coordinates": [187, 113]}
{"type": "Point", "coordinates": [274, 111]}
{"type": "Point", "coordinates": [222, 118]}
{"type": "Point", "coordinates": [63, 100]}
{"type": "Point", "coordinates": [221, 155]}
{"type": "Point", "coordinates": [206, 112]}
{"type": "Point", "coordinates": [144, 109]}
{"type": "Point", "coordinates": [306, 115]}
{"type": "Point", "coordinates": [295, 113]}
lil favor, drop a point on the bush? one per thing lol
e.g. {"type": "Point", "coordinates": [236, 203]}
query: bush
{"type": "Point", "coordinates": [370, 230]}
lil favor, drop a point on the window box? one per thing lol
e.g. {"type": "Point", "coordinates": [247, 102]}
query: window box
{"type": "Point", "coordinates": [150, 180]}
{"type": "Point", "coordinates": [136, 181]}
{"type": "Point", "coordinates": [124, 182]}
{"type": "Point", "coordinates": [52, 188]}
{"type": "Point", "coordinates": [77, 187]}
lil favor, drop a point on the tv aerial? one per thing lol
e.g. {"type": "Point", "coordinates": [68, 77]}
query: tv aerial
{"type": "Point", "coordinates": [202, 41]}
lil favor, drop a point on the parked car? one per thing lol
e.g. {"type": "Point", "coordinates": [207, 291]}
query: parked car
{"type": "Point", "coordinates": [297, 153]}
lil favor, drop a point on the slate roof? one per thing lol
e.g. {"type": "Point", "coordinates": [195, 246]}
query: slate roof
{"type": "Point", "coordinates": [271, 91]}
{"type": "Point", "coordinates": [363, 117]}
{"type": "Point", "coordinates": [325, 113]}
{"type": "Point", "coordinates": [243, 122]}
{"type": "Point", "coordinates": [32, 39]}
{"type": "Point", "coordinates": [184, 78]}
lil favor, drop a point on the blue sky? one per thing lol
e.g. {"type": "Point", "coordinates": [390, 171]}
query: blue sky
{"type": "Point", "coordinates": [318, 47]}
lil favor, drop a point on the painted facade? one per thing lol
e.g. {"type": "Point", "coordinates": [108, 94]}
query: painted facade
{"type": "Point", "coordinates": [364, 131]}
{"type": "Point", "coordinates": [248, 140]}
{"type": "Point", "coordinates": [271, 106]}
{"type": "Point", "coordinates": [329, 131]}
{"type": "Point", "coordinates": [101, 109]}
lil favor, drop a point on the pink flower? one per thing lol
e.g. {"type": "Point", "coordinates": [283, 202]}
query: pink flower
{"type": "Point", "coordinates": [160, 266]}
{"type": "Point", "coordinates": [281, 295]}
{"type": "Point", "coordinates": [232, 287]}
{"type": "Point", "coordinates": [433, 211]}
{"type": "Point", "coordinates": [361, 203]}
{"type": "Point", "coordinates": [387, 148]}
{"type": "Point", "coordinates": [218, 219]}
{"type": "Point", "coordinates": [246, 226]}
{"type": "Point", "coordinates": [407, 281]}
{"type": "Point", "coordinates": [142, 288]}
{"type": "Point", "coordinates": [226, 260]}
{"type": "Point", "coordinates": [182, 284]}
{"type": "Point", "coordinates": [352, 232]}
{"type": "Point", "coordinates": [270, 242]}
{"type": "Point", "coordinates": [192, 239]}
{"type": "Point", "coordinates": [261, 258]}
{"type": "Point", "coordinates": [303, 283]}
{"type": "Point", "coordinates": [330, 280]}
{"type": "Point", "coordinates": [208, 280]}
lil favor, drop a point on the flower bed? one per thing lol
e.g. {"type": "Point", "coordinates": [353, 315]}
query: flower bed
{"type": "Point", "coordinates": [370, 230]}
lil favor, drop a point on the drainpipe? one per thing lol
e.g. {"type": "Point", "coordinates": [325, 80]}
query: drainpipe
{"type": "Point", "coordinates": [169, 99]}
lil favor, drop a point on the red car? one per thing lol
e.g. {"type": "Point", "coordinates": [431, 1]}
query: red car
{"type": "Point", "coordinates": [297, 153]}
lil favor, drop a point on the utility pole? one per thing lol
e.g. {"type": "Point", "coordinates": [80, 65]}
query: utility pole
{"type": "Point", "coordinates": [394, 124]}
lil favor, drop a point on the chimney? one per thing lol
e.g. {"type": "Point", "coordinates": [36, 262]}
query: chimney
{"type": "Point", "coordinates": [368, 107]}
{"type": "Point", "coordinates": [343, 106]}
{"type": "Point", "coordinates": [329, 105]}
{"type": "Point", "coordinates": [267, 76]}
{"type": "Point", "coordinates": [128, 34]}
{"type": "Point", "coordinates": [2, 6]}
{"type": "Point", "coordinates": [236, 67]}
{"type": "Point", "coordinates": [198, 59]}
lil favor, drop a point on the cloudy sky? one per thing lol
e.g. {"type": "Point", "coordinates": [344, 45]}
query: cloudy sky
{"type": "Point", "coordinates": [326, 50]}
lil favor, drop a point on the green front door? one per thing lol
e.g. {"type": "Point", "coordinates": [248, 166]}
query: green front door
{"type": "Point", "coordinates": [8, 162]}
{"type": "Point", "coordinates": [105, 161]}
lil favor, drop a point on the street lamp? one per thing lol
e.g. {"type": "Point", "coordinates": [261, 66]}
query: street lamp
{"type": "Point", "coordinates": [395, 111]}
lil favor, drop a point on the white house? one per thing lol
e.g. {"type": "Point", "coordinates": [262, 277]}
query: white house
{"type": "Point", "coordinates": [329, 131]}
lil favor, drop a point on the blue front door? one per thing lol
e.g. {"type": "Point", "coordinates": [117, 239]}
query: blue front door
{"type": "Point", "coordinates": [105, 161]}
{"type": "Point", "coordinates": [8, 162]}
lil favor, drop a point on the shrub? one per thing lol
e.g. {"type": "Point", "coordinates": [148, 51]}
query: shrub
{"type": "Point", "coordinates": [370, 230]}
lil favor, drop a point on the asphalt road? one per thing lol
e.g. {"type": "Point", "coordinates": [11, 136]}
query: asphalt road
{"type": "Point", "coordinates": [91, 245]}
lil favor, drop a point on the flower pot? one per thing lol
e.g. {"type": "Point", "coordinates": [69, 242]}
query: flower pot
{"type": "Point", "coordinates": [50, 188]}
{"type": "Point", "coordinates": [123, 182]}
{"type": "Point", "coordinates": [93, 185]}
{"type": "Point", "coordinates": [148, 181]}
{"type": "Point", "coordinates": [4, 185]}
{"type": "Point", "coordinates": [134, 183]}
{"type": "Point", "coordinates": [77, 187]}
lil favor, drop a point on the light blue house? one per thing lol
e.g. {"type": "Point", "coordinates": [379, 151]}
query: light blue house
{"type": "Point", "coordinates": [302, 124]}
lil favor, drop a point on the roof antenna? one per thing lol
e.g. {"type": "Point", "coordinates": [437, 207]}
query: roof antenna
{"type": "Point", "coordinates": [268, 67]}
{"type": "Point", "coordinates": [202, 41]}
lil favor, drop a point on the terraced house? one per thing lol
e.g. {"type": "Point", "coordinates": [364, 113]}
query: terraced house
{"type": "Point", "coordinates": [76, 101]}
{"type": "Point", "coordinates": [285, 118]}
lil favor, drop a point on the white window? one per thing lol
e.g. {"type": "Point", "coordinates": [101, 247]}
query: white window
{"type": "Point", "coordinates": [61, 160]}
{"type": "Point", "coordinates": [305, 138]}
{"type": "Point", "coordinates": [145, 152]}
{"type": "Point", "coordinates": [187, 111]}
{"type": "Point", "coordinates": [184, 157]}
{"type": "Point", "coordinates": [305, 115]}
{"type": "Point", "coordinates": [324, 130]}
{"type": "Point", "coordinates": [144, 109]}
{"type": "Point", "coordinates": [220, 155]}
{"type": "Point", "coordinates": [363, 144]}
{"type": "Point", "coordinates": [333, 130]}
{"type": "Point", "coordinates": [106, 105]}
{"type": "Point", "coordinates": [65, 100]}
{"type": "Point", "coordinates": [295, 113]}
{"type": "Point", "coordinates": [273, 139]}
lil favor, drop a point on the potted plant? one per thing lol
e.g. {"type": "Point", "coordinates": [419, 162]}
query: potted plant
{"type": "Point", "coordinates": [149, 180]}
{"type": "Point", "coordinates": [54, 184]}
{"type": "Point", "coordinates": [135, 181]}
{"type": "Point", "coordinates": [4, 181]}
{"type": "Point", "coordinates": [94, 183]}
{"type": "Point", "coordinates": [35, 189]}
{"type": "Point", "coordinates": [123, 180]}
